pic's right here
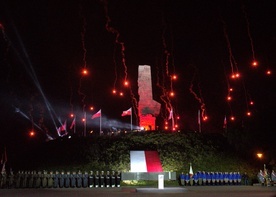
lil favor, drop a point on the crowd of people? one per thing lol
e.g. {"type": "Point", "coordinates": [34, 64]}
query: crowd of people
{"type": "Point", "coordinates": [45, 179]}
{"type": "Point", "coordinates": [213, 178]}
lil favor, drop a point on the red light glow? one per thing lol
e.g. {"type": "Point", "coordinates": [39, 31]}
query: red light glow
{"type": "Point", "coordinates": [126, 83]}
{"type": "Point", "coordinates": [114, 91]}
{"type": "Point", "coordinates": [255, 63]}
{"type": "Point", "coordinates": [83, 120]}
{"type": "Point", "coordinates": [229, 98]}
{"type": "Point", "coordinates": [84, 71]}
{"type": "Point", "coordinates": [121, 94]}
{"type": "Point", "coordinates": [248, 113]}
{"type": "Point", "coordinates": [174, 77]}
{"type": "Point", "coordinates": [231, 89]}
{"type": "Point", "coordinates": [232, 118]}
{"type": "Point", "coordinates": [268, 72]}
{"type": "Point", "coordinates": [205, 118]}
{"type": "Point", "coordinates": [31, 133]}
{"type": "Point", "coordinates": [172, 94]}
{"type": "Point", "coordinates": [251, 103]}
{"type": "Point", "coordinates": [91, 108]}
{"type": "Point", "coordinates": [71, 115]}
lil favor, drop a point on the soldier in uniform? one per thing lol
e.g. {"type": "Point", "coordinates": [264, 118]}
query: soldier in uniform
{"type": "Point", "coordinates": [31, 180]}
{"type": "Point", "coordinates": [226, 178]}
{"type": "Point", "coordinates": [187, 179]}
{"type": "Point", "coordinates": [91, 179]}
{"type": "Point", "coordinates": [67, 179]}
{"type": "Point", "coordinates": [3, 179]}
{"type": "Point", "coordinates": [118, 179]}
{"type": "Point", "coordinates": [102, 179]}
{"type": "Point", "coordinates": [24, 180]}
{"type": "Point", "coordinates": [55, 177]}
{"type": "Point", "coordinates": [195, 177]}
{"type": "Point", "coordinates": [209, 178]}
{"type": "Point", "coordinates": [182, 179]}
{"type": "Point", "coordinates": [85, 179]}
{"type": "Point", "coordinates": [11, 179]}
{"type": "Point", "coordinates": [97, 179]}
{"type": "Point", "coordinates": [44, 179]}
{"type": "Point", "coordinates": [113, 178]}
{"type": "Point", "coordinates": [73, 179]}
{"type": "Point", "coordinates": [61, 178]}
{"type": "Point", "coordinates": [238, 178]}
{"type": "Point", "coordinates": [79, 179]}
{"type": "Point", "coordinates": [273, 177]}
{"type": "Point", "coordinates": [50, 179]}
{"type": "Point", "coordinates": [17, 179]}
{"type": "Point", "coordinates": [204, 179]}
{"type": "Point", "coordinates": [107, 179]}
{"type": "Point", "coordinates": [38, 177]}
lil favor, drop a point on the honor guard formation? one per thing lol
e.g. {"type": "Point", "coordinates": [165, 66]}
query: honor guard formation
{"type": "Point", "coordinates": [223, 178]}
{"type": "Point", "coordinates": [45, 179]}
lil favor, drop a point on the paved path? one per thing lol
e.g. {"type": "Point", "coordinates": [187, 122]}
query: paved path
{"type": "Point", "coordinates": [206, 191]}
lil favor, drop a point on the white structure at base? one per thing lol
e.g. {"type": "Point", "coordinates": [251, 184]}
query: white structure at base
{"type": "Point", "coordinates": [160, 181]}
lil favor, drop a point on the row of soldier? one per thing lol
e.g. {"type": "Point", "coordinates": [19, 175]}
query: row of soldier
{"type": "Point", "coordinates": [44, 179]}
{"type": "Point", "coordinates": [210, 178]}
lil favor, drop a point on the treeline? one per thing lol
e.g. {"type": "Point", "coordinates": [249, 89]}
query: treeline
{"type": "Point", "coordinates": [208, 152]}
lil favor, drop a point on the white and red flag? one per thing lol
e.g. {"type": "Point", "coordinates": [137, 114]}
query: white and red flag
{"type": "Point", "coordinates": [97, 115]}
{"type": "Point", "coordinates": [127, 112]}
{"type": "Point", "coordinates": [191, 172]}
{"type": "Point", "coordinates": [171, 114]}
{"type": "Point", "coordinates": [62, 129]}
{"type": "Point", "coordinates": [145, 161]}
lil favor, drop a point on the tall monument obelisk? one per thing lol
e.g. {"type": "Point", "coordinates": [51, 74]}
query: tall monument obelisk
{"type": "Point", "coordinates": [148, 108]}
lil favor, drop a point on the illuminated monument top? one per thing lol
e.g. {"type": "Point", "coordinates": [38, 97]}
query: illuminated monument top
{"type": "Point", "coordinates": [148, 108]}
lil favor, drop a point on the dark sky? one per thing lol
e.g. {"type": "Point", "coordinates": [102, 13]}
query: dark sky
{"type": "Point", "coordinates": [46, 36]}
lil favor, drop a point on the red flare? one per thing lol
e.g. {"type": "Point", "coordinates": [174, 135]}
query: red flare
{"type": "Point", "coordinates": [121, 94]}
{"type": "Point", "coordinates": [230, 89]}
{"type": "Point", "coordinates": [31, 133]}
{"type": "Point", "coordinates": [83, 119]}
{"type": "Point", "coordinates": [114, 91]}
{"type": "Point", "coordinates": [229, 98]}
{"type": "Point", "coordinates": [172, 94]}
{"type": "Point", "coordinates": [91, 108]}
{"type": "Point", "coordinates": [174, 77]}
{"type": "Point", "coordinates": [255, 63]}
{"type": "Point", "coordinates": [126, 83]}
{"type": "Point", "coordinates": [251, 103]}
{"type": "Point", "coordinates": [268, 72]}
{"type": "Point", "coordinates": [232, 118]}
{"type": "Point", "coordinates": [248, 113]}
{"type": "Point", "coordinates": [84, 71]}
{"type": "Point", "coordinates": [72, 115]}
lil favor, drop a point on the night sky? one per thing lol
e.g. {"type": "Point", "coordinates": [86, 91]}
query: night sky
{"type": "Point", "coordinates": [47, 43]}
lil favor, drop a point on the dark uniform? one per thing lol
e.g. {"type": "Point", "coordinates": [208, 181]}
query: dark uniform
{"type": "Point", "coordinates": [55, 177]}
{"type": "Point", "coordinates": [50, 179]}
{"type": "Point", "coordinates": [91, 181]}
{"type": "Point", "coordinates": [118, 179]}
{"type": "Point", "coordinates": [67, 179]}
{"type": "Point", "coordinates": [113, 179]}
{"type": "Point", "coordinates": [73, 179]}
{"type": "Point", "coordinates": [102, 179]}
{"type": "Point", "coordinates": [61, 178]}
{"type": "Point", "coordinates": [79, 179]}
{"type": "Point", "coordinates": [85, 179]}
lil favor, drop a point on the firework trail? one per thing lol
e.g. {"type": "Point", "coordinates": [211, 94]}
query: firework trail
{"type": "Point", "coordinates": [249, 35]}
{"type": "Point", "coordinates": [198, 98]}
{"type": "Point", "coordinates": [231, 57]}
{"type": "Point", "coordinates": [117, 35]}
{"type": "Point", "coordinates": [84, 71]}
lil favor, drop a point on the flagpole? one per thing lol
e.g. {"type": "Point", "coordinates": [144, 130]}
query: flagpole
{"type": "Point", "coordinates": [101, 122]}
{"type": "Point", "coordinates": [75, 124]}
{"type": "Point", "coordinates": [131, 119]}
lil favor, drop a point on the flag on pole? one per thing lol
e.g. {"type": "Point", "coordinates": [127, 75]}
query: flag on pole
{"type": "Point", "coordinates": [3, 161]}
{"type": "Point", "coordinates": [97, 115]}
{"type": "Point", "coordinates": [127, 112]}
{"type": "Point", "coordinates": [191, 173]}
{"type": "Point", "coordinates": [62, 129]}
{"type": "Point", "coordinates": [171, 115]}
{"type": "Point", "coordinates": [73, 123]}
{"type": "Point", "coordinates": [225, 123]}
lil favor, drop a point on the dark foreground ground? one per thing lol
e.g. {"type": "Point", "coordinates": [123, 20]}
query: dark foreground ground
{"type": "Point", "coordinates": [208, 191]}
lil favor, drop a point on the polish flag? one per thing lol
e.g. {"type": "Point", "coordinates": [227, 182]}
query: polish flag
{"type": "Point", "coordinates": [97, 115]}
{"type": "Point", "coordinates": [191, 173]}
{"type": "Point", "coordinates": [127, 112]}
{"type": "Point", "coordinates": [145, 161]}
{"type": "Point", "coordinates": [225, 122]}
